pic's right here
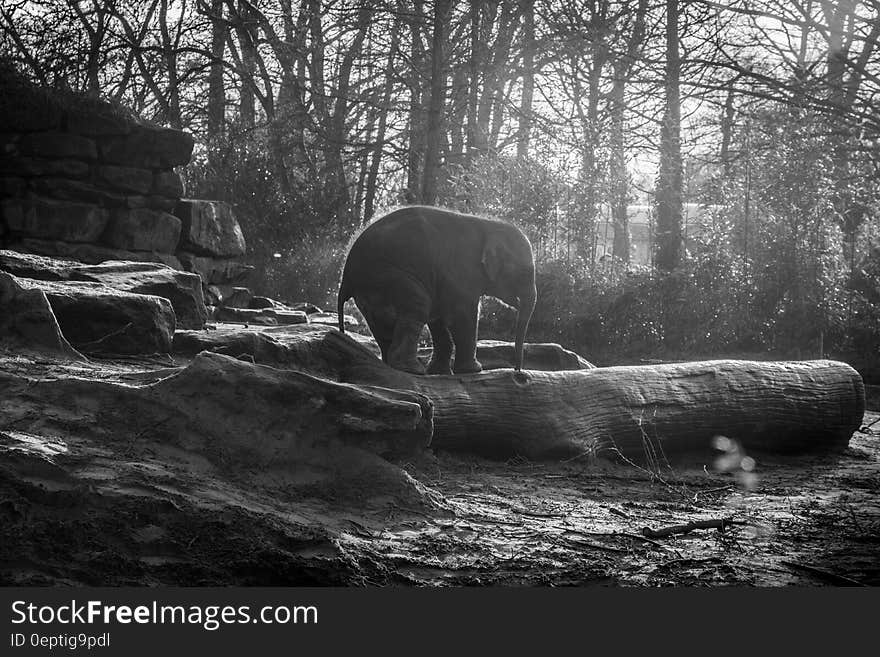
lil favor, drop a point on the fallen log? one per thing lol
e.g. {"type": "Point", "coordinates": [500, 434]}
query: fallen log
{"type": "Point", "coordinates": [639, 412]}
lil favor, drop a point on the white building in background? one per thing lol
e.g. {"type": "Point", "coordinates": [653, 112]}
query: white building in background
{"type": "Point", "coordinates": [642, 221]}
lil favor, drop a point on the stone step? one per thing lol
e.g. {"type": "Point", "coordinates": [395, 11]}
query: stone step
{"type": "Point", "coordinates": [100, 320]}
{"type": "Point", "coordinates": [182, 289]}
{"type": "Point", "coordinates": [266, 316]}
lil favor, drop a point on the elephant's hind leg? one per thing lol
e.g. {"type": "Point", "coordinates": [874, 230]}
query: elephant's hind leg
{"type": "Point", "coordinates": [441, 358]}
{"type": "Point", "coordinates": [381, 325]}
{"type": "Point", "coordinates": [405, 344]}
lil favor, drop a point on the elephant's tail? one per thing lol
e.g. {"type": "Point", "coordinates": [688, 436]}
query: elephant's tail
{"type": "Point", "coordinates": [340, 305]}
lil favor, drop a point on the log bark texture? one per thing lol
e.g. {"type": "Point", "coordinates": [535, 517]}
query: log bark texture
{"type": "Point", "coordinates": [642, 412]}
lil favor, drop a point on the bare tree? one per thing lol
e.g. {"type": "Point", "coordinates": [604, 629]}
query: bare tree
{"type": "Point", "coordinates": [669, 181]}
{"type": "Point", "coordinates": [437, 102]}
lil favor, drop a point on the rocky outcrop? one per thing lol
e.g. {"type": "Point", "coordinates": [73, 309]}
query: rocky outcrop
{"type": "Point", "coordinates": [82, 179]}
{"type": "Point", "coordinates": [215, 271]}
{"type": "Point", "coordinates": [54, 220]}
{"type": "Point", "coordinates": [27, 322]}
{"type": "Point", "coordinates": [92, 254]}
{"type": "Point", "coordinates": [208, 474]}
{"type": "Point", "coordinates": [182, 289]}
{"type": "Point", "coordinates": [265, 316]}
{"type": "Point", "coordinates": [144, 230]}
{"type": "Point", "coordinates": [209, 229]}
{"type": "Point", "coordinates": [83, 188]}
{"type": "Point", "coordinates": [98, 319]}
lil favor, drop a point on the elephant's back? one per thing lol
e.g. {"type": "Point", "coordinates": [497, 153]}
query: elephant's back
{"type": "Point", "coordinates": [398, 240]}
{"type": "Point", "coordinates": [419, 223]}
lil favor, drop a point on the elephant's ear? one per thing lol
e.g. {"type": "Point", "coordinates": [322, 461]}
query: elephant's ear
{"type": "Point", "coordinates": [492, 258]}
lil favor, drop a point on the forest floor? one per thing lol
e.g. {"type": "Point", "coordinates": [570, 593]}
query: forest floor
{"type": "Point", "coordinates": [76, 510]}
{"type": "Point", "coordinates": [804, 521]}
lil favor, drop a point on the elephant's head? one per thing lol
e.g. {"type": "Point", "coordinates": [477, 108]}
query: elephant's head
{"type": "Point", "coordinates": [509, 266]}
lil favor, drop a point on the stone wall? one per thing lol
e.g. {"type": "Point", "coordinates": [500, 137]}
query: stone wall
{"type": "Point", "coordinates": [83, 180]}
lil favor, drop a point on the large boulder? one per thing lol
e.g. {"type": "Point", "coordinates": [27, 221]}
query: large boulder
{"type": "Point", "coordinates": [27, 322]}
{"type": "Point", "coordinates": [34, 166]}
{"type": "Point", "coordinates": [54, 220]}
{"type": "Point", "coordinates": [209, 228]}
{"type": "Point", "coordinates": [98, 319]}
{"type": "Point", "coordinates": [27, 265]}
{"type": "Point", "coordinates": [168, 184]}
{"type": "Point", "coordinates": [92, 253]}
{"type": "Point", "coordinates": [58, 144]}
{"type": "Point", "coordinates": [182, 289]}
{"type": "Point", "coordinates": [143, 230]}
{"type": "Point", "coordinates": [148, 147]}
{"type": "Point", "coordinates": [12, 186]}
{"type": "Point", "coordinates": [215, 271]}
{"type": "Point", "coordinates": [302, 347]}
{"type": "Point", "coordinates": [266, 316]}
{"type": "Point", "coordinates": [66, 189]}
{"type": "Point", "coordinates": [96, 124]}
{"type": "Point", "coordinates": [126, 179]}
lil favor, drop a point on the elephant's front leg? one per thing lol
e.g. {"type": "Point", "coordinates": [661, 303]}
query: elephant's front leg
{"type": "Point", "coordinates": [441, 357]}
{"type": "Point", "coordinates": [464, 333]}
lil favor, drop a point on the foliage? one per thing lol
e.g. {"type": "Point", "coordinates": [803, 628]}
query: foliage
{"type": "Point", "coordinates": [309, 115]}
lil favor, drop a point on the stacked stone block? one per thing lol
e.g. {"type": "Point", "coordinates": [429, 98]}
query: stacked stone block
{"type": "Point", "coordinates": [91, 179]}
{"type": "Point", "coordinates": [93, 184]}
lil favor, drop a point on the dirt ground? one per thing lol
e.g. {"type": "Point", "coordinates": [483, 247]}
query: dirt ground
{"type": "Point", "coordinates": [805, 521]}
{"type": "Point", "coordinates": [78, 510]}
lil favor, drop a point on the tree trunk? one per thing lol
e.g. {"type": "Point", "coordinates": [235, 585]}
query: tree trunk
{"type": "Point", "coordinates": [216, 91]}
{"type": "Point", "coordinates": [246, 104]}
{"type": "Point", "coordinates": [528, 80]}
{"type": "Point", "coordinates": [435, 109]}
{"type": "Point", "coordinates": [727, 123]}
{"type": "Point", "coordinates": [169, 55]}
{"type": "Point", "coordinates": [493, 81]}
{"type": "Point", "coordinates": [474, 68]}
{"type": "Point", "coordinates": [379, 143]}
{"type": "Point", "coordinates": [416, 128]}
{"type": "Point", "coordinates": [669, 183]}
{"type": "Point", "coordinates": [640, 412]}
{"type": "Point", "coordinates": [619, 177]}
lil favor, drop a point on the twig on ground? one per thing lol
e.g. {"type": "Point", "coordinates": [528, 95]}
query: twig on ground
{"type": "Point", "coordinates": [709, 491]}
{"type": "Point", "coordinates": [636, 537]}
{"type": "Point", "coordinates": [536, 514]}
{"type": "Point", "coordinates": [645, 539]}
{"type": "Point", "coordinates": [715, 523]}
{"type": "Point", "coordinates": [867, 428]}
{"type": "Point", "coordinates": [591, 544]}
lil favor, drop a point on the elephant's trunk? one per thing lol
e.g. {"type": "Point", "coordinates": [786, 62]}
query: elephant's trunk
{"type": "Point", "coordinates": [523, 315]}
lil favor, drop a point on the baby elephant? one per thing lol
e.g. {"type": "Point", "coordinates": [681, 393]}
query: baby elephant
{"type": "Point", "coordinates": [423, 265]}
